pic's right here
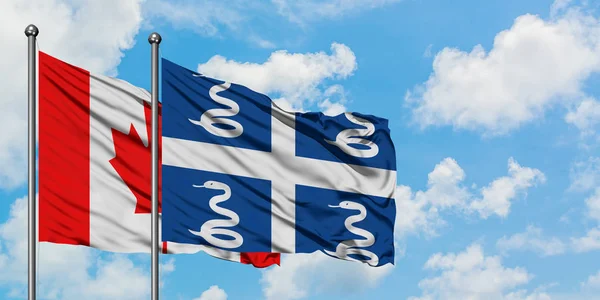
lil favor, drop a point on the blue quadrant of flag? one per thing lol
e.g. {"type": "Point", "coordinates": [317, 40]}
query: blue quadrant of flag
{"type": "Point", "coordinates": [278, 181]}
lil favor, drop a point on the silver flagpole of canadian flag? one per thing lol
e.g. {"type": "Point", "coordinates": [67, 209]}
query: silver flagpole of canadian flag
{"type": "Point", "coordinates": [154, 39]}
{"type": "Point", "coordinates": [31, 32]}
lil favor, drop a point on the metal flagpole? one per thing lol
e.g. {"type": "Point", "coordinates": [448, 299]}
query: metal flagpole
{"type": "Point", "coordinates": [154, 40]}
{"type": "Point", "coordinates": [31, 32]}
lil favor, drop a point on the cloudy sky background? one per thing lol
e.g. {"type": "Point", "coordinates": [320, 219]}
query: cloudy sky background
{"type": "Point", "coordinates": [493, 108]}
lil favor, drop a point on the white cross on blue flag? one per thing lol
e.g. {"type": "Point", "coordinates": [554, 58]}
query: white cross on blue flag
{"type": "Point", "coordinates": [241, 174]}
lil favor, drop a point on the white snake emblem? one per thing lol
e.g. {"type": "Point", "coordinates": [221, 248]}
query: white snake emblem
{"type": "Point", "coordinates": [356, 136]}
{"type": "Point", "coordinates": [347, 247]}
{"type": "Point", "coordinates": [208, 228]}
{"type": "Point", "coordinates": [219, 115]}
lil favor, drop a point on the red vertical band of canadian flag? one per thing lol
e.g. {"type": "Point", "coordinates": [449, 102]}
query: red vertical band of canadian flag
{"type": "Point", "coordinates": [94, 165]}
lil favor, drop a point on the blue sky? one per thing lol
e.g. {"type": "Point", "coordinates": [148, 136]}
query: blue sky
{"type": "Point", "coordinates": [493, 111]}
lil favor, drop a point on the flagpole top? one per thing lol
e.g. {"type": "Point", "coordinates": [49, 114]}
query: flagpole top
{"type": "Point", "coordinates": [31, 30]}
{"type": "Point", "coordinates": [154, 38]}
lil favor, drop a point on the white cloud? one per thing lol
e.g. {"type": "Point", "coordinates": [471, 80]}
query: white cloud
{"type": "Point", "coordinates": [532, 66]}
{"type": "Point", "coordinates": [588, 290]}
{"type": "Point", "coordinates": [593, 205]}
{"type": "Point", "coordinates": [309, 10]}
{"type": "Point", "coordinates": [533, 240]}
{"type": "Point", "coordinates": [592, 283]}
{"type": "Point", "coordinates": [203, 17]}
{"type": "Point", "coordinates": [446, 191]}
{"type": "Point", "coordinates": [585, 175]}
{"type": "Point", "coordinates": [296, 77]}
{"type": "Point", "coordinates": [498, 195]}
{"type": "Point", "coordinates": [524, 295]}
{"type": "Point", "coordinates": [418, 215]}
{"type": "Point", "coordinates": [213, 293]}
{"type": "Point", "coordinates": [472, 275]}
{"type": "Point", "coordinates": [244, 18]}
{"type": "Point", "coordinates": [262, 43]}
{"type": "Point", "coordinates": [116, 278]}
{"type": "Point", "coordinates": [589, 242]}
{"type": "Point", "coordinates": [303, 275]}
{"type": "Point", "coordinates": [586, 117]}
{"type": "Point", "coordinates": [75, 32]}
{"type": "Point", "coordinates": [212, 18]}
{"type": "Point", "coordinates": [559, 6]}
{"type": "Point", "coordinates": [427, 52]}
{"type": "Point", "coordinates": [164, 269]}
{"type": "Point", "coordinates": [421, 209]}
{"type": "Point", "coordinates": [443, 183]}
{"type": "Point", "coordinates": [331, 109]}
{"type": "Point", "coordinates": [334, 102]}
{"type": "Point", "coordinates": [66, 271]}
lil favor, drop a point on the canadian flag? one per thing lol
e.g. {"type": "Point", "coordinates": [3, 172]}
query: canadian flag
{"type": "Point", "coordinates": [95, 165]}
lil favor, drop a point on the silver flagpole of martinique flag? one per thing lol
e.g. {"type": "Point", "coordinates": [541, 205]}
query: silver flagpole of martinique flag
{"type": "Point", "coordinates": [31, 32]}
{"type": "Point", "coordinates": [154, 39]}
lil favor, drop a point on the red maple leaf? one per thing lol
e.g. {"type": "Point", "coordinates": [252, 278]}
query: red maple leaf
{"type": "Point", "coordinates": [133, 161]}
